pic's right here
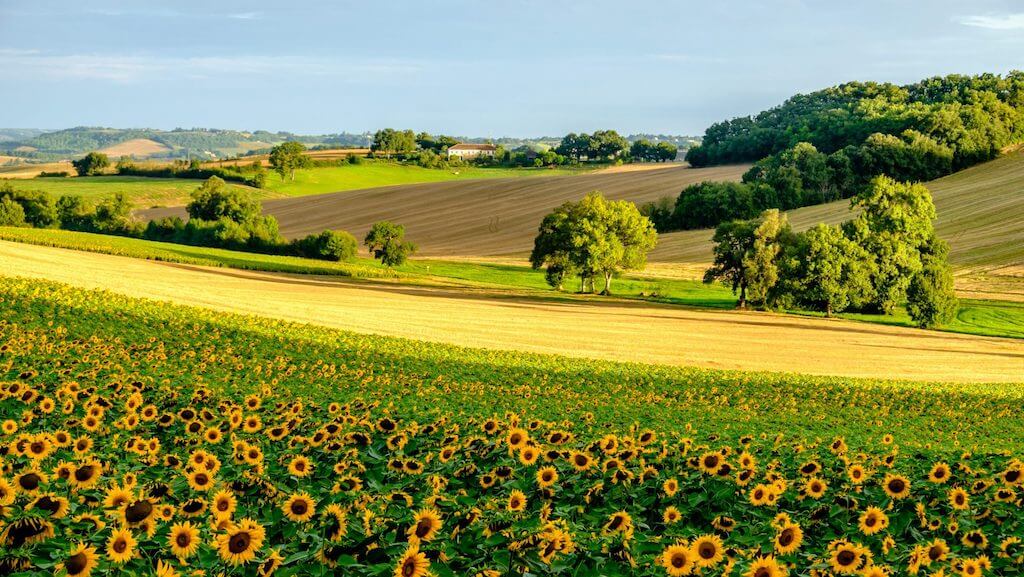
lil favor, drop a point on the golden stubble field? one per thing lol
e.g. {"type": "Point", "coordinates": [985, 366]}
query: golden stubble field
{"type": "Point", "coordinates": [593, 328]}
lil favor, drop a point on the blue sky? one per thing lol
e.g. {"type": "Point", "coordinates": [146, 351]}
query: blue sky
{"type": "Point", "coordinates": [478, 68]}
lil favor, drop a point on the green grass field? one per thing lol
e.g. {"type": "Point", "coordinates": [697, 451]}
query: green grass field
{"type": "Point", "coordinates": [374, 174]}
{"type": "Point", "coordinates": [144, 192]}
{"type": "Point", "coordinates": [978, 317]}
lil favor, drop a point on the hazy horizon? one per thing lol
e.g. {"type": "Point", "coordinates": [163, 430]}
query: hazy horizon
{"type": "Point", "coordinates": [519, 69]}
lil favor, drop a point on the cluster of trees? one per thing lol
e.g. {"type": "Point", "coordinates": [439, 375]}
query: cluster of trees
{"type": "Point", "coordinates": [37, 209]}
{"type": "Point", "coordinates": [886, 256]}
{"type": "Point", "coordinates": [644, 150]}
{"type": "Point", "coordinates": [590, 238]}
{"type": "Point", "coordinates": [390, 142]}
{"type": "Point", "coordinates": [251, 175]}
{"type": "Point", "coordinates": [974, 116]}
{"type": "Point", "coordinates": [803, 176]}
{"type": "Point", "coordinates": [601, 146]}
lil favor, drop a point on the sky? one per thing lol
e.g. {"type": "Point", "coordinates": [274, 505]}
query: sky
{"type": "Point", "coordinates": [471, 67]}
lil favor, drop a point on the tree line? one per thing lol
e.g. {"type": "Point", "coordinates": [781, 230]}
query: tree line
{"type": "Point", "coordinates": [218, 216]}
{"type": "Point", "coordinates": [974, 116]}
{"type": "Point", "coordinates": [804, 176]}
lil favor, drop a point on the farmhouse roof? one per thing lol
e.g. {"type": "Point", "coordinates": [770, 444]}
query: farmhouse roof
{"type": "Point", "coordinates": [469, 146]}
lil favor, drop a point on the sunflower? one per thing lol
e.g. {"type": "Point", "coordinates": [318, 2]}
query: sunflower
{"type": "Point", "coordinates": [546, 476]}
{"type": "Point", "coordinates": [846, 558]}
{"type": "Point", "coordinates": [272, 563]}
{"type": "Point", "coordinates": [940, 473]}
{"type": "Point", "coordinates": [299, 507]}
{"type": "Point", "coordinates": [873, 520]}
{"type": "Point", "coordinates": [413, 563]}
{"type": "Point", "coordinates": [959, 499]}
{"type": "Point", "coordinates": [81, 561]}
{"type": "Point", "coordinates": [300, 467]}
{"type": "Point", "coordinates": [678, 560]}
{"type": "Point", "coordinates": [516, 501]}
{"type": "Point", "coordinates": [55, 507]}
{"type": "Point", "coordinates": [517, 438]}
{"type": "Point", "coordinates": [30, 481]}
{"type": "Point", "coordinates": [974, 539]}
{"type": "Point", "coordinates": [856, 473]}
{"type": "Point", "coordinates": [671, 515]}
{"type": "Point", "coordinates": [815, 488]}
{"type": "Point", "coordinates": [896, 486]}
{"type": "Point", "coordinates": [710, 462]}
{"type": "Point", "coordinates": [335, 522]}
{"type": "Point", "coordinates": [971, 568]}
{"type": "Point", "coordinates": [708, 550]}
{"type": "Point", "coordinates": [224, 504]}
{"type": "Point", "coordinates": [788, 539]}
{"type": "Point", "coordinates": [239, 544]}
{"type": "Point", "coordinates": [137, 512]}
{"type": "Point", "coordinates": [580, 461]}
{"type": "Point", "coordinates": [528, 455]}
{"type": "Point", "coordinates": [200, 480]}
{"type": "Point", "coordinates": [875, 571]}
{"type": "Point", "coordinates": [183, 540]}
{"type": "Point", "coordinates": [765, 567]}
{"type": "Point", "coordinates": [427, 524]}
{"type": "Point", "coordinates": [121, 546]}
{"type": "Point", "coordinates": [937, 550]}
{"type": "Point", "coordinates": [670, 486]}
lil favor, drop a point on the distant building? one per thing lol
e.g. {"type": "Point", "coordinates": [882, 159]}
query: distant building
{"type": "Point", "coordinates": [465, 151]}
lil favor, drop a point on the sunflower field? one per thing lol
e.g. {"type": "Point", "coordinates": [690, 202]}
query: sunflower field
{"type": "Point", "coordinates": [140, 438]}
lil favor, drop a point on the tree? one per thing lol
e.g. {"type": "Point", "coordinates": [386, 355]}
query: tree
{"type": "Point", "coordinates": [931, 300]}
{"type": "Point", "coordinates": [607, 144]}
{"type": "Point", "coordinates": [896, 220]}
{"type": "Point", "coordinates": [75, 213]}
{"type": "Point", "coordinates": [214, 200]}
{"type": "Point", "coordinates": [11, 213]}
{"type": "Point", "coordinates": [390, 141]}
{"type": "Point", "coordinates": [761, 261]}
{"type": "Point", "coordinates": [114, 216]}
{"type": "Point", "coordinates": [590, 237]}
{"type": "Point", "coordinates": [288, 156]}
{"type": "Point", "coordinates": [91, 164]}
{"type": "Point", "coordinates": [665, 152]}
{"type": "Point", "coordinates": [38, 207]}
{"type": "Point", "coordinates": [733, 241]}
{"type": "Point", "coordinates": [386, 241]}
{"type": "Point", "coordinates": [336, 245]}
{"type": "Point", "coordinates": [830, 270]}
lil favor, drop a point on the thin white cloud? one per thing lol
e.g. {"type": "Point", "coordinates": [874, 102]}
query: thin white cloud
{"type": "Point", "coordinates": [992, 22]}
{"type": "Point", "coordinates": [246, 16]}
{"type": "Point", "coordinates": [134, 68]}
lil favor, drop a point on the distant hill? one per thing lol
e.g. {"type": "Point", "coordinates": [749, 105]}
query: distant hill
{"type": "Point", "coordinates": [210, 143]}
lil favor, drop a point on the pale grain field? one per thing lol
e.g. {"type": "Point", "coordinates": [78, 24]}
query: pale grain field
{"type": "Point", "coordinates": [593, 328]}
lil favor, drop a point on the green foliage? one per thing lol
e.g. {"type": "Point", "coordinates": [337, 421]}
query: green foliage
{"type": "Point", "coordinates": [214, 200]}
{"type": "Point", "coordinates": [11, 213]}
{"type": "Point", "coordinates": [826, 271]}
{"type": "Point", "coordinates": [973, 116]}
{"type": "Point", "coordinates": [602, 145]}
{"type": "Point", "coordinates": [760, 262]}
{"type": "Point", "coordinates": [91, 164]}
{"type": "Point", "coordinates": [390, 141]}
{"type": "Point", "coordinates": [113, 215]}
{"type": "Point", "coordinates": [287, 157]}
{"type": "Point", "coordinates": [38, 207]}
{"type": "Point", "coordinates": [734, 241]}
{"type": "Point", "coordinates": [386, 241]}
{"type": "Point", "coordinates": [335, 245]}
{"type": "Point", "coordinates": [647, 151]}
{"type": "Point", "coordinates": [593, 237]}
{"type": "Point", "coordinates": [707, 204]}
{"type": "Point", "coordinates": [931, 299]}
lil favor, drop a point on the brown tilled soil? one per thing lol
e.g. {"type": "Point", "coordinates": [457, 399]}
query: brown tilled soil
{"type": "Point", "coordinates": [487, 217]}
{"type": "Point", "coordinates": [591, 327]}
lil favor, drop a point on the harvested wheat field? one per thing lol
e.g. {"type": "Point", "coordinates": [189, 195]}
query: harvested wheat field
{"type": "Point", "coordinates": [595, 328]}
{"type": "Point", "coordinates": [137, 147]}
{"type": "Point", "coordinates": [492, 217]}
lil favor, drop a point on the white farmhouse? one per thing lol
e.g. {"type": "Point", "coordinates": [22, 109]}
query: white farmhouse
{"type": "Point", "coordinates": [464, 151]}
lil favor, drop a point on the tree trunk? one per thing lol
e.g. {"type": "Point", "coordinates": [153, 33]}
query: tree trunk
{"type": "Point", "coordinates": [828, 309]}
{"type": "Point", "coordinates": [583, 283]}
{"type": "Point", "coordinates": [743, 297]}
{"type": "Point", "coordinates": [607, 283]}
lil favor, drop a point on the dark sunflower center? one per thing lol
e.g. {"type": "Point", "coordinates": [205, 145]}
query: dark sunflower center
{"type": "Point", "coordinates": [763, 572]}
{"type": "Point", "coordinates": [299, 507]}
{"type": "Point", "coordinates": [76, 564]}
{"type": "Point", "coordinates": [30, 481]}
{"type": "Point", "coordinates": [707, 550]}
{"type": "Point", "coordinates": [409, 567]}
{"type": "Point", "coordinates": [239, 542]}
{"type": "Point", "coordinates": [183, 540]}
{"type": "Point", "coordinates": [786, 537]}
{"type": "Point", "coordinates": [138, 511]}
{"type": "Point", "coordinates": [679, 560]}
{"type": "Point", "coordinates": [846, 558]}
{"type": "Point", "coordinates": [120, 545]}
{"type": "Point", "coordinates": [897, 485]}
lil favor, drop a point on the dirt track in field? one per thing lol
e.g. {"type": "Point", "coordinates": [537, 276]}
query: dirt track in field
{"type": "Point", "coordinates": [482, 218]}
{"type": "Point", "coordinates": [595, 328]}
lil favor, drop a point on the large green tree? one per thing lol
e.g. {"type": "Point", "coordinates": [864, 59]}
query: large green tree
{"type": "Point", "coordinates": [593, 237]}
{"type": "Point", "coordinates": [289, 156]}
{"type": "Point", "coordinates": [386, 241]}
{"type": "Point", "coordinates": [91, 164]}
{"type": "Point", "coordinates": [215, 200]}
{"type": "Point", "coordinates": [931, 299]}
{"type": "Point", "coordinates": [733, 240]}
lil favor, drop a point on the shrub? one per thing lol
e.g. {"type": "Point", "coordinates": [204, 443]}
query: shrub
{"type": "Point", "coordinates": [11, 213]}
{"type": "Point", "coordinates": [336, 245]}
{"type": "Point", "coordinates": [91, 164]}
